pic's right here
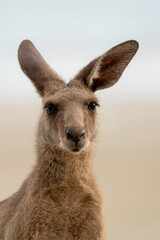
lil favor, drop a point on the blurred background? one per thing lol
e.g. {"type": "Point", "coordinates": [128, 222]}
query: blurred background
{"type": "Point", "coordinates": [69, 34]}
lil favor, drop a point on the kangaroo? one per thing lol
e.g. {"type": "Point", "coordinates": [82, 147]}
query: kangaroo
{"type": "Point", "coordinates": [60, 199]}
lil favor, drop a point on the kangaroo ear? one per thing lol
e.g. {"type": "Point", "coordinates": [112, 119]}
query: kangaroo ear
{"type": "Point", "coordinates": [106, 70]}
{"type": "Point", "coordinates": [35, 67]}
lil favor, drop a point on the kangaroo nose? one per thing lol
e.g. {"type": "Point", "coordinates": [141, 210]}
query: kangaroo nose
{"type": "Point", "coordinates": [75, 134]}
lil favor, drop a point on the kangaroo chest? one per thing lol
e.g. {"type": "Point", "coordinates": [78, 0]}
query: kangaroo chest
{"type": "Point", "coordinates": [65, 215]}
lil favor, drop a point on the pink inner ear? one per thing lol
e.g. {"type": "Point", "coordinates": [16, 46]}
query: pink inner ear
{"type": "Point", "coordinates": [108, 74]}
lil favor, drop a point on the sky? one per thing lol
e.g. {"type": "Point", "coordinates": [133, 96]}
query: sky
{"type": "Point", "coordinates": [71, 33]}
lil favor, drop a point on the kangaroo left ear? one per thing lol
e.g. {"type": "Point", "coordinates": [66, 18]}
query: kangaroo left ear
{"type": "Point", "coordinates": [106, 70]}
{"type": "Point", "coordinates": [36, 68]}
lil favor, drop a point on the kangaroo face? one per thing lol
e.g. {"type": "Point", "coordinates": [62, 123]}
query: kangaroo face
{"type": "Point", "coordinates": [69, 118]}
{"type": "Point", "coordinates": [69, 110]}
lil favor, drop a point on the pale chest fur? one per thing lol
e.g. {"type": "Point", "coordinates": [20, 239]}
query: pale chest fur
{"type": "Point", "coordinates": [64, 214]}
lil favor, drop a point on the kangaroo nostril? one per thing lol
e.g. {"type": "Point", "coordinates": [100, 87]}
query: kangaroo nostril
{"type": "Point", "coordinates": [75, 134]}
{"type": "Point", "coordinates": [82, 134]}
{"type": "Point", "coordinates": [69, 135]}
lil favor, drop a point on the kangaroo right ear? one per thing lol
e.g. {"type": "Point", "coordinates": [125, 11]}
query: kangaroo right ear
{"type": "Point", "coordinates": [35, 67]}
{"type": "Point", "coordinates": [106, 70]}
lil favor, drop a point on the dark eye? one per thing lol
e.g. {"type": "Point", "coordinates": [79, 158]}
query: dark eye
{"type": "Point", "coordinates": [51, 108]}
{"type": "Point", "coordinates": [92, 107]}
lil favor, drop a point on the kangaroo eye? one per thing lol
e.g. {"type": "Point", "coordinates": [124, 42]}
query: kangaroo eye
{"type": "Point", "coordinates": [51, 108]}
{"type": "Point", "coordinates": [92, 107]}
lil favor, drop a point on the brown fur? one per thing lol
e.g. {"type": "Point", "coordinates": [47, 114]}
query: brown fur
{"type": "Point", "coordinates": [60, 199]}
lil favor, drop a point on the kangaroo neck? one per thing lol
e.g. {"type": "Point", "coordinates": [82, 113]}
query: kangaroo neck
{"type": "Point", "coordinates": [56, 166]}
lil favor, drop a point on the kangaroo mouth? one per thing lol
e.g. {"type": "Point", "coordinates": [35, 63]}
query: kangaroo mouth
{"type": "Point", "coordinates": [76, 149]}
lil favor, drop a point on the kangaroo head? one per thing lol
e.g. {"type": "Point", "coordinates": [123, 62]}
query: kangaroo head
{"type": "Point", "coordinates": [69, 113]}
